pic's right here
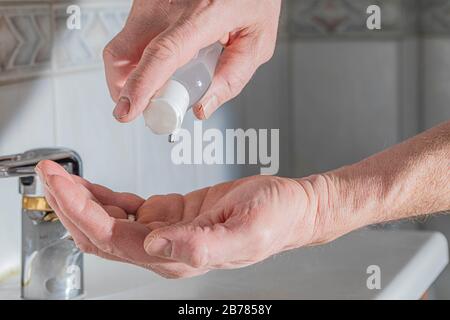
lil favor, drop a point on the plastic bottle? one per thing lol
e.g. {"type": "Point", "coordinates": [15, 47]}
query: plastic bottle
{"type": "Point", "coordinates": [166, 110]}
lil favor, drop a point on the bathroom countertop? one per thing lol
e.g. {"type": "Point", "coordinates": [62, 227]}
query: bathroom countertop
{"type": "Point", "coordinates": [408, 261]}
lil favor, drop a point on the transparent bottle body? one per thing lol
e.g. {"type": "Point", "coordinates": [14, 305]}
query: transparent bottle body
{"type": "Point", "coordinates": [196, 76]}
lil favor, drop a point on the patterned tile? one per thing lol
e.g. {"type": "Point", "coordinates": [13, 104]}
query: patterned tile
{"type": "Point", "coordinates": [30, 46]}
{"type": "Point", "coordinates": [36, 41]}
{"type": "Point", "coordinates": [83, 48]}
{"type": "Point", "coordinates": [25, 33]}
{"type": "Point", "coordinates": [435, 18]}
{"type": "Point", "coordinates": [311, 18]}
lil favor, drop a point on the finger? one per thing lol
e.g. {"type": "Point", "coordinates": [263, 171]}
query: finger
{"type": "Point", "coordinates": [80, 239]}
{"type": "Point", "coordinates": [156, 225]}
{"type": "Point", "coordinates": [203, 246]}
{"type": "Point", "coordinates": [170, 209]}
{"type": "Point", "coordinates": [161, 208]}
{"type": "Point", "coordinates": [122, 54]}
{"type": "Point", "coordinates": [120, 238]}
{"type": "Point", "coordinates": [235, 68]}
{"type": "Point", "coordinates": [117, 70]}
{"type": "Point", "coordinates": [170, 50]}
{"type": "Point", "coordinates": [116, 212]}
{"type": "Point", "coordinates": [48, 167]}
{"type": "Point", "coordinates": [127, 201]}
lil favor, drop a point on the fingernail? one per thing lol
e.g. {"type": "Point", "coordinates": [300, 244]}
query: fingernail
{"type": "Point", "coordinates": [40, 175]}
{"type": "Point", "coordinates": [199, 112]}
{"type": "Point", "coordinates": [122, 108]}
{"type": "Point", "coordinates": [38, 170]}
{"type": "Point", "coordinates": [159, 247]}
{"type": "Point", "coordinates": [209, 106]}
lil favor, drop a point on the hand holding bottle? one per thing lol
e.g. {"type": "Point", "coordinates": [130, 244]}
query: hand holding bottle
{"type": "Point", "coordinates": [161, 36]}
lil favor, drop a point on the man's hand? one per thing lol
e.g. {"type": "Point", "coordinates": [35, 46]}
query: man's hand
{"type": "Point", "coordinates": [230, 225]}
{"type": "Point", "coordinates": [242, 222]}
{"type": "Point", "coordinates": [161, 35]}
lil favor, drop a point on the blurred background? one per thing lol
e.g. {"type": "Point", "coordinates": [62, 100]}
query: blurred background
{"type": "Point", "coordinates": [337, 91]}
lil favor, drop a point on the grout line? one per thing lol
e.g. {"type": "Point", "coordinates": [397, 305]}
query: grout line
{"type": "Point", "coordinates": [400, 91]}
{"type": "Point", "coordinates": [53, 76]}
{"type": "Point", "coordinates": [421, 122]}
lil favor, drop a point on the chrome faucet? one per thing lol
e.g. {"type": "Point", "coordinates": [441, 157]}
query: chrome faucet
{"type": "Point", "coordinates": [52, 266]}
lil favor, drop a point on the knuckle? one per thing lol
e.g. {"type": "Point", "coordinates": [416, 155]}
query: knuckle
{"type": "Point", "coordinates": [135, 84]}
{"type": "Point", "coordinates": [198, 255]}
{"type": "Point", "coordinates": [86, 248]}
{"type": "Point", "coordinates": [234, 83]}
{"type": "Point", "coordinates": [263, 240]}
{"type": "Point", "coordinates": [155, 199]}
{"type": "Point", "coordinates": [268, 55]}
{"type": "Point", "coordinates": [162, 49]}
{"type": "Point", "coordinates": [117, 47]}
{"type": "Point", "coordinates": [108, 51]}
{"type": "Point", "coordinates": [166, 272]}
{"type": "Point", "coordinates": [106, 237]}
{"type": "Point", "coordinates": [174, 275]}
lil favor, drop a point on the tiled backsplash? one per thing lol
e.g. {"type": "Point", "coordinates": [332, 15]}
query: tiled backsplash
{"type": "Point", "coordinates": [36, 41]}
{"type": "Point", "coordinates": [347, 18]}
{"type": "Point", "coordinates": [83, 48]}
{"type": "Point", "coordinates": [34, 32]}
{"type": "Point", "coordinates": [26, 38]}
{"type": "Point", "coordinates": [311, 18]}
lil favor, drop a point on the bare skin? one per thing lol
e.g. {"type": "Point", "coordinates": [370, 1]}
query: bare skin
{"type": "Point", "coordinates": [239, 223]}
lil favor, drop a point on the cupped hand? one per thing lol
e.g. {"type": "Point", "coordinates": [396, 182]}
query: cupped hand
{"type": "Point", "coordinates": [160, 36]}
{"type": "Point", "coordinates": [229, 225]}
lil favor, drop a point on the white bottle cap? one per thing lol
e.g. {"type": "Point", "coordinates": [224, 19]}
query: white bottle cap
{"type": "Point", "coordinates": [166, 110]}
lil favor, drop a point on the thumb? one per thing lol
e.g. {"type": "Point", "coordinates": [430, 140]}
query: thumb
{"type": "Point", "coordinates": [198, 245]}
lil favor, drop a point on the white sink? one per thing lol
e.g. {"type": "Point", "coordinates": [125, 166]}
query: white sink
{"type": "Point", "coordinates": [409, 261]}
{"type": "Point", "coordinates": [102, 278]}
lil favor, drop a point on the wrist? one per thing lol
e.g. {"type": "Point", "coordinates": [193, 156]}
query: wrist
{"type": "Point", "coordinates": [340, 204]}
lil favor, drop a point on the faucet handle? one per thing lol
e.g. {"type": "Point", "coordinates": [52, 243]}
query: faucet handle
{"type": "Point", "coordinates": [22, 165]}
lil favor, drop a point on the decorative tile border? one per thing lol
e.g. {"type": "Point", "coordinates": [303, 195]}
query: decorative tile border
{"type": "Point", "coordinates": [83, 48]}
{"type": "Point", "coordinates": [25, 34]}
{"type": "Point", "coordinates": [319, 18]}
{"type": "Point", "coordinates": [35, 40]}
{"type": "Point", "coordinates": [435, 18]}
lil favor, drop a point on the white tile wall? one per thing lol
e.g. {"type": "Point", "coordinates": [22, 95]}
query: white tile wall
{"type": "Point", "coordinates": [266, 102]}
{"type": "Point", "coordinates": [26, 122]}
{"type": "Point", "coordinates": [345, 102]}
{"type": "Point", "coordinates": [84, 122]}
{"type": "Point", "coordinates": [436, 80]}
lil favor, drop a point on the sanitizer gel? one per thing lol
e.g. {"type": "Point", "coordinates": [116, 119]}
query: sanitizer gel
{"type": "Point", "coordinates": [166, 110]}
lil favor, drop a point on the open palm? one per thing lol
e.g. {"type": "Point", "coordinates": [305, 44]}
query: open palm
{"type": "Point", "coordinates": [229, 225]}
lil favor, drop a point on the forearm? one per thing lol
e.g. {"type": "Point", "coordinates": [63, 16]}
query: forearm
{"type": "Point", "coordinates": [406, 180]}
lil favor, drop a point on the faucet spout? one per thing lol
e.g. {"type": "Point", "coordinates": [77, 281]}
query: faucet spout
{"type": "Point", "coordinates": [52, 266]}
